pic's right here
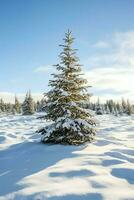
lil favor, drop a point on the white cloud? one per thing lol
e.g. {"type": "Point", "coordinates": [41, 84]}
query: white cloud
{"type": "Point", "coordinates": [44, 68]}
{"type": "Point", "coordinates": [101, 44]}
{"type": "Point", "coordinates": [113, 71]}
{"type": "Point", "coordinates": [114, 79]}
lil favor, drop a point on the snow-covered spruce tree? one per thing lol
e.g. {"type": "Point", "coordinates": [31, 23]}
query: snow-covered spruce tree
{"type": "Point", "coordinates": [2, 106]}
{"type": "Point", "coordinates": [124, 105]}
{"type": "Point", "coordinates": [98, 108]}
{"type": "Point", "coordinates": [25, 105]}
{"type": "Point", "coordinates": [107, 109]}
{"type": "Point", "coordinates": [71, 124]}
{"type": "Point", "coordinates": [17, 106]}
{"type": "Point", "coordinates": [129, 110]}
{"type": "Point", "coordinates": [119, 108]}
{"type": "Point", "coordinates": [28, 105]}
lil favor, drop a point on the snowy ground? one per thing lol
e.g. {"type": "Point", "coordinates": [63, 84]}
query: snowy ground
{"type": "Point", "coordinates": [30, 170]}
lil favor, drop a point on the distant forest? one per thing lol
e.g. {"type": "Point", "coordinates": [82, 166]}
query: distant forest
{"type": "Point", "coordinates": [29, 106]}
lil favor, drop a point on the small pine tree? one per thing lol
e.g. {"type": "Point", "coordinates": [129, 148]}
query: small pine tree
{"type": "Point", "coordinates": [2, 105]}
{"type": "Point", "coordinates": [13, 111]}
{"type": "Point", "coordinates": [17, 106]}
{"type": "Point", "coordinates": [42, 104]}
{"type": "Point", "coordinates": [110, 104]}
{"type": "Point", "coordinates": [35, 107]}
{"type": "Point", "coordinates": [107, 109]}
{"type": "Point", "coordinates": [124, 105]}
{"type": "Point", "coordinates": [115, 110]}
{"type": "Point", "coordinates": [71, 123]}
{"type": "Point", "coordinates": [129, 108]}
{"type": "Point", "coordinates": [28, 105]}
{"type": "Point", "coordinates": [119, 108]}
{"type": "Point", "coordinates": [98, 108]}
{"type": "Point", "coordinates": [9, 108]}
{"type": "Point", "coordinates": [24, 105]}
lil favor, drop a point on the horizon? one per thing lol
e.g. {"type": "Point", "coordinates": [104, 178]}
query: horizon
{"type": "Point", "coordinates": [30, 37]}
{"type": "Point", "coordinates": [10, 98]}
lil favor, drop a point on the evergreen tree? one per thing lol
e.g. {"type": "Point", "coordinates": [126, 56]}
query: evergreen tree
{"type": "Point", "coordinates": [119, 108]}
{"type": "Point", "coordinates": [17, 106]}
{"type": "Point", "coordinates": [28, 105]}
{"type": "Point", "coordinates": [9, 108]}
{"type": "Point", "coordinates": [115, 110]}
{"type": "Point", "coordinates": [37, 106]}
{"type": "Point", "coordinates": [13, 111]}
{"type": "Point", "coordinates": [129, 109]}
{"type": "Point", "coordinates": [71, 124]}
{"type": "Point", "coordinates": [110, 104]}
{"type": "Point", "coordinates": [98, 108]}
{"type": "Point", "coordinates": [124, 105]}
{"type": "Point", "coordinates": [24, 105]}
{"type": "Point", "coordinates": [2, 105]}
{"type": "Point", "coordinates": [107, 109]}
{"type": "Point", "coordinates": [42, 104]}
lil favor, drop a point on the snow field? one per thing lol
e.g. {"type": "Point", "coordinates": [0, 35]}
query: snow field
{"type": "Point", "coordinates": [102, 170]}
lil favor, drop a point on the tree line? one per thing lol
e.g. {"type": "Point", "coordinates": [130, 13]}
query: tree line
{"type": "Point", "coordinates": [27, 107]}
{"type": "Point", "coordinates": [111, 107]}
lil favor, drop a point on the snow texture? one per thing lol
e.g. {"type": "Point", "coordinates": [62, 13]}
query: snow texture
{"type": "Point", "coordinates": [102, 170]}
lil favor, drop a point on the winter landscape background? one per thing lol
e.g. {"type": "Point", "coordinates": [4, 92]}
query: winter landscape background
{"type": "Point", "coordinates": [59, 139]}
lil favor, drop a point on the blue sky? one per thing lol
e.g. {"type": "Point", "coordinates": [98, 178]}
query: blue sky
{"type": "Point", "coordinates": [31, 30]}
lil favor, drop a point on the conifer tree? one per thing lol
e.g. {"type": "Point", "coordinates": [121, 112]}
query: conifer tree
{"type": "Point", "coordinates": [110, 104]}
{"type": "Point", "coordinates": [129, 109]}
{"type": "Point", "coordinates": [124, 105]}
{"type": "Point", "coordinates": [107, 109]}
{"type": "Point", "coordinates": [71, 124]}
{"type": "Point", "coordinates": [119, 108]}
{"type": "Point", "coordinates": [42, 105]}
{"type": "Point", "coordinates": [28, 105]}
{"type": "Point", "coordinates": [98, 108]}
{"type": "Point", "coordinates": [17, 106]}
{"type": "Point", "coordinates": [24, 105]}
{"type": "Point", "coordinates": [2, 105]}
